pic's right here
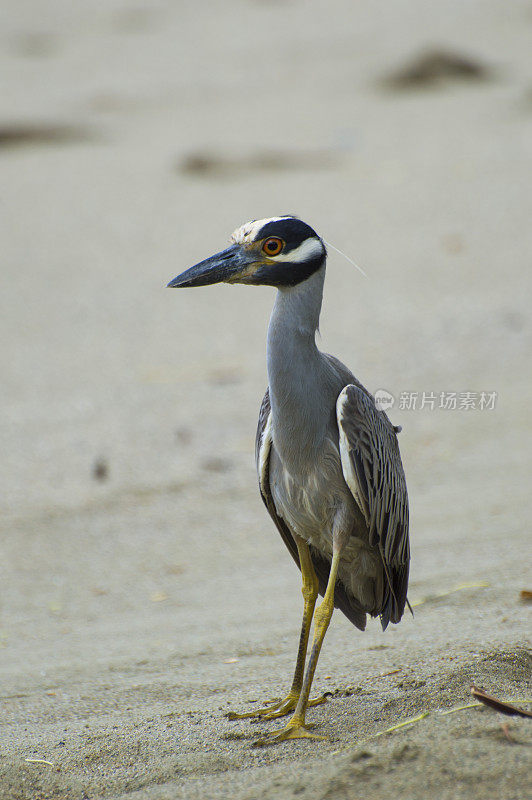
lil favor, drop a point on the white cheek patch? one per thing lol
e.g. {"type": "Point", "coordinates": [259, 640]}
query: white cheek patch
{"type": "Point", "coordinates": [309, 249]}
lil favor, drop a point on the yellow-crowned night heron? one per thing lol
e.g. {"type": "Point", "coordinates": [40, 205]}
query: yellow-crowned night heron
{"type": "Point", "coordinates": [328, 462]}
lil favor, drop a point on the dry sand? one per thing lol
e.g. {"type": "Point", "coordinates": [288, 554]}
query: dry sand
{"type": "Point", "coordinates": [145, 591]}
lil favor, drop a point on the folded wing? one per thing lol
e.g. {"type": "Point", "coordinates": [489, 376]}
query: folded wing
{"type": "Point", "coordinates": [373, 471]}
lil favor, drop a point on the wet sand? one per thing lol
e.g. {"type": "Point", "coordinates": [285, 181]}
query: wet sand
{"type": "Point", "coordinates": [145, 592]}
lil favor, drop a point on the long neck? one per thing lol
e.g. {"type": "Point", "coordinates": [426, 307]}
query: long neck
{"type": "Point", "coordinates": [294, 366]}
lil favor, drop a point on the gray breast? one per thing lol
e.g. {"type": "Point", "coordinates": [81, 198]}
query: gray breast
{"type": "Point", "coordinates": [309, 501]}
{"type": "Point", "coordinates": [309, 498]}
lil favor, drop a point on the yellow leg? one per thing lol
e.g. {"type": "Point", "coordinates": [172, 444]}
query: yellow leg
{"type": "Point", "coordinates": [296, 728]}
{"type": "Point", "coordinates": [310, 593]}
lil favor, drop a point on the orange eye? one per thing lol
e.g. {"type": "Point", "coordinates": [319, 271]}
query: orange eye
{"type": "Point", "coordinates": [273, 246]}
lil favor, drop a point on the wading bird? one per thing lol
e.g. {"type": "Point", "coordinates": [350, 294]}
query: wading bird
{"type": "Point", "coordinates": [328, 462]}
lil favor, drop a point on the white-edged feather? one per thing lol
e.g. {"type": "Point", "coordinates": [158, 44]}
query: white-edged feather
{"type": "Point", "coordinates": [347, 464]}
{"type": "Point", "coordinates": [264, 455]}
{"type": "Point", "coordinates": [346, 257]}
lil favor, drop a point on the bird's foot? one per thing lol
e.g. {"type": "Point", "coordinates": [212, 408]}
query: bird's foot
{"type": "Point", "coordinates": [279, 709]}
{"type": "Point", "coordinates": [295, 729]}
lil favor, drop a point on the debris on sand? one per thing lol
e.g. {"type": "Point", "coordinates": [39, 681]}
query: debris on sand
{"type": "Point", "coordinates": [502, 706]}
{"type": "Point", "coordinates": [36, 135]}
{"type": "Point", "coordinates": [100, 470]}
{"type": "Point", "coordinates": [435, 67]}
{"type": "Point", "coordinates": [212, 164]}
{"type": "Point", "coordinates": [458, 588]}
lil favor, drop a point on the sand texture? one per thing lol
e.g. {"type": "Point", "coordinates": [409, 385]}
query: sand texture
{"type": "Point", "coordinates": [144, 590]}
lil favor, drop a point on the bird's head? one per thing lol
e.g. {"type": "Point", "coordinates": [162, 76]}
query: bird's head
{"type": "Point", "coordinates": [279, 251]}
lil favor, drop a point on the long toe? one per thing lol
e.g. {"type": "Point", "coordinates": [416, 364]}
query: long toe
{"type": "Point", "coordinates": [265, 711]}
{"type": "Point", "coordinates": [317, 701]}
{"type": "Point", "coordinates": [271, 711]}
{"type": "Point", "coordinates": [278, 709]}
{"type": "Point", "coordinates": [288, 705]}
{"type": "Point", "coordinates": [293, 730]}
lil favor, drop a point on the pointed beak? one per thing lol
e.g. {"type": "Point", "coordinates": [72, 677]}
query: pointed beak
{"type": "Point", "coordinates": [226, 267]}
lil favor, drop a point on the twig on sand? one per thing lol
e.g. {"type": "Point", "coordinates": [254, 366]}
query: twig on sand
{"type": "Point", "coordinates": [419, 717]}
{"type": "Point", "coordinates": [403, 724]}
{"type": "Point", "coordinates": [459, 588]}
{"type": "Point", "coordinates": [39, 761]}
{"type": "Point", "coordinates": [505, 727]}
{"type": "Point", "coordinates": [502, 706]}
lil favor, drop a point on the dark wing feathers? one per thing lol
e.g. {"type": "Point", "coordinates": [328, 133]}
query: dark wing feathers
{"type": "Point", "coordinates": [346, 603]}
{"type": "Point", "coordinates": [373, 471]}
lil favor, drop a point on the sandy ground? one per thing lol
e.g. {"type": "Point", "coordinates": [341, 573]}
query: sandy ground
{"type": "Point", "coordinates": [145, 591]}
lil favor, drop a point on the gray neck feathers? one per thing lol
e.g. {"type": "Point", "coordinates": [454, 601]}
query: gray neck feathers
{"type": "Point", "coordinates": [295, 369]}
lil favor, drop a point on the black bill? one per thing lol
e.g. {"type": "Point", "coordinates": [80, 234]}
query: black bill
{"type": "Point", "coordinates": [218, 268]}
